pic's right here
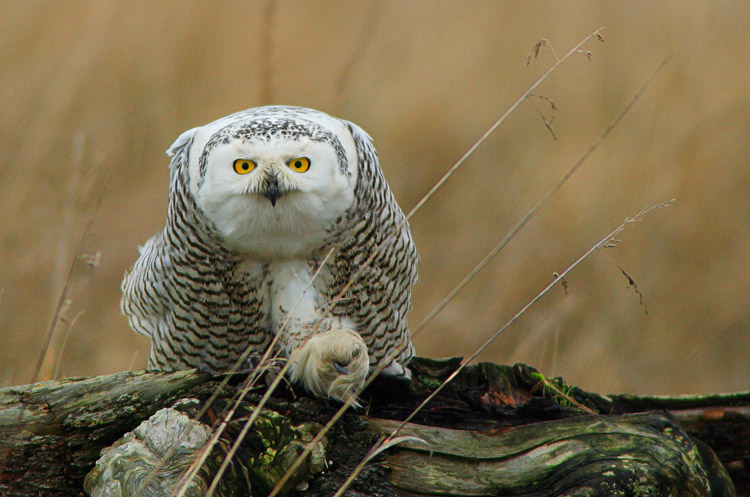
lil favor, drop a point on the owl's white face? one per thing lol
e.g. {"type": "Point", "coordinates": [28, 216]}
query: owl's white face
{"type": "Point", "coordinates": [272, 199]}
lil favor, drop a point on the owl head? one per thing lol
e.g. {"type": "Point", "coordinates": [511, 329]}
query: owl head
{"type": "Point", "coordinates": [272, 180]}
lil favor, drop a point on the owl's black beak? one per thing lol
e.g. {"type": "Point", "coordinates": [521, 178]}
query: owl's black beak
{"type": "Point", "coordinates": [271, 190]}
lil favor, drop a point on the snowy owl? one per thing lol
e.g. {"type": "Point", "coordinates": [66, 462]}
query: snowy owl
{"type": "Point", "coordinates": [272, 211]}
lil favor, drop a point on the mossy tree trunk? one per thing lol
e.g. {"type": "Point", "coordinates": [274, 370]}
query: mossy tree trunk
{"type": "Point", "coordinates": [494, 430]}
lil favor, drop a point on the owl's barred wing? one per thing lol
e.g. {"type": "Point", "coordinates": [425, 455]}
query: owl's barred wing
{"type": "Point", "coordinates": [146, 299]}
{"type": "Point", "coordinates": [184, 293]}
{"type": "Point", "coordinates": [381, 297]}
{"type": "Point", "coordinates": [143, 298]}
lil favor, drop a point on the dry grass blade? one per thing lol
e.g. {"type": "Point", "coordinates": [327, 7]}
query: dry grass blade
{"type": "Point", "coordinates": [457, 165]}
{"type": "Point", "coordinates": [380, 445]}
{"type": "Point", "coordinates": [631, 281]}
{"type": "Point", "coordinates": [195, 467]}
{"type": "Point", "coordinates": [534, 54]}
{"type": "Point", "coordinates": [518, 227]}
{"type": "Point", "coordinates": [62, 300]}
{"type": "Point", "coordinates": [220, 426]}
{"type": "Point", "coordinates": [246, 428]}
{"type": "Point", "coordinates": [241, 436]}
{"type": "Point", "coordinates": [337, 415]}
{"type": "Point", "coordinates": [383, 444]}
{"type": "Point", "coordinates": [533, 301]}
{"type": "Point", "coordinates": [68, 331]}
{"type": "Point", "coordinates": [497, 123]}
{"type": "Point", "coordinates": [546, 289]}
{"type": "Point", "coordinates": [559, 277]}
{"type": "Point", "coordinates": [147, 480]}
{"type": "Point", "coordinates": [217, 431]}
{"type": "Point", "coordinates": [545, 383]}
{"type": "Point", "coordinates": [397, 229]}
{"type": "Point", "coordinates": [266, 88]}
{"type": "Point", "coordinates": [547, 122]}
{"type": "Point", "coordinates": [367, 33]}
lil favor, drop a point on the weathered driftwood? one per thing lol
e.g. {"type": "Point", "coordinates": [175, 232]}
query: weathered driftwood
{"type": "Point", "coordinates": [634, 454]}
{"type": "Point", "coordinates": [51, 432]}
{"type": "Point", "coordinates": [494, 430]}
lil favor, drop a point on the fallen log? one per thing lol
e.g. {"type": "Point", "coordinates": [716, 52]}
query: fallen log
{"type": "Point", "coordinates": [494, 430]}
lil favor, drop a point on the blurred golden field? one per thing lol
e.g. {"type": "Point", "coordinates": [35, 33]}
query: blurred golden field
{"type": "Point", "coordinates": [92, 93]}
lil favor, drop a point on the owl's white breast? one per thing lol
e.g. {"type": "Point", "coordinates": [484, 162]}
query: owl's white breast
{"type": "Point", "coordinates": [294, 297]}
{"type": "Point", "coordinates": [295, 228]}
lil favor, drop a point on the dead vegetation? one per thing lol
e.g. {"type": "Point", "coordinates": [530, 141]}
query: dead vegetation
{"type": "Point", "coordinates": [111, 75]}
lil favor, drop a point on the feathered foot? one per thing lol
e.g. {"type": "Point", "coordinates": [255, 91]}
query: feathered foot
{"type": "Point", "coordinates": [333, 364]}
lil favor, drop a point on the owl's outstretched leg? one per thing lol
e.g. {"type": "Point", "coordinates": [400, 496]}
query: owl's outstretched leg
{"type": "Point", "coordinates": [332, 363]}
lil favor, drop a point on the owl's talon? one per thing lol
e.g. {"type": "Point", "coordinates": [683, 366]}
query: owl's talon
{"type": "Point", "coordinates": [341, 369]}
{"type": "Point", "coordinates": [332, 364]}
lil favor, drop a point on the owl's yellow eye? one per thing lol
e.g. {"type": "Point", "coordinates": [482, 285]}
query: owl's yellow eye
{"type": "Point", "coordinates": [243, 166]}
{"type": "Point", "coordinates": [300, 164]}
